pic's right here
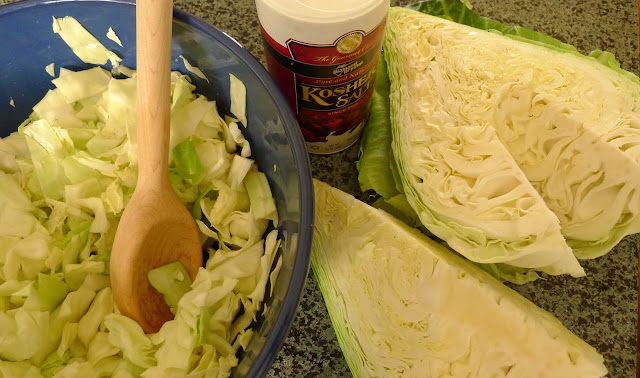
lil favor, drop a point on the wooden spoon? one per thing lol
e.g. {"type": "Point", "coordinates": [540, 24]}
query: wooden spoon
{"type": "Point", "coordinates": [156, 228]}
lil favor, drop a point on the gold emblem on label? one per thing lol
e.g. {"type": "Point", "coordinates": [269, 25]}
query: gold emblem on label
{"type": "Point", "coordinates": [349, 43]}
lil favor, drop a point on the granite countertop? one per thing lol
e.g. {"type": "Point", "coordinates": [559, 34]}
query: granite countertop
{"type": "Point", "coordinates": [602, 308]}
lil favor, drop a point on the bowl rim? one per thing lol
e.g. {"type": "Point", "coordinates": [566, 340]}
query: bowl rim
{"type": "Point", "coordinates": [284, 319]}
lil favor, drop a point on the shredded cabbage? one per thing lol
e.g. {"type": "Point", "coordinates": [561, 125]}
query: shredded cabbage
{"type": "Point", "coordinates": [50, 68]}
{"type": "Point", "coordinates": [111, 34]}
{"type": "Point", "coordinates": [83, 44]}
{"type": "Point", "coordinates": [193, 69]}
{"type": "Point", "coordinates": [238, 98]}
{"type": "Point", "coordinates": [66, 176]}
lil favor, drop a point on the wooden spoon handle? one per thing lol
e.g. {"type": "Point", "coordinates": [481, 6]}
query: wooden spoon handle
{"type": "Point", "coordinates": [153, 46]}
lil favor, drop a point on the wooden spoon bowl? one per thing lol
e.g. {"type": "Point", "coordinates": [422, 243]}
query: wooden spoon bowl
{"type": "Point", "coordinates": [155, 229]}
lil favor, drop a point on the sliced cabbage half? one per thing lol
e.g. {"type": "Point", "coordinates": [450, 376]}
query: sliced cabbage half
{"type": "Point", "coordinates": [456, 173]}
{"type": "Point", "coordinates": [403, 305]}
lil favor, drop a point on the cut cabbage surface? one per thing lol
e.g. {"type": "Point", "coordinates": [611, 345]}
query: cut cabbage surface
{"type": "Point", "coordinates": [403, 305]}
{"type": "Point", "coordinates": [457, 175]}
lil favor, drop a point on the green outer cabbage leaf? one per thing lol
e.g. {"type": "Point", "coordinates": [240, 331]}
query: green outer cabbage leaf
{"type": "Point", "coordinates": [403, 305]}
{"type": "Point", "coordinates": [374, 171]}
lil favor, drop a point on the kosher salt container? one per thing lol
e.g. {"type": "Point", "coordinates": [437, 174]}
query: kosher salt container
{"type": "Point", "coordinates": [323, 55]}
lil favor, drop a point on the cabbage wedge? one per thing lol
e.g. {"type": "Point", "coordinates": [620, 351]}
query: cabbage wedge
{"type": "Point", "coordinates": [569, 121]}
{"type": "Point", "coordinates": [403, 305]}
{"type": "Point", "coordinates": [457, 175]}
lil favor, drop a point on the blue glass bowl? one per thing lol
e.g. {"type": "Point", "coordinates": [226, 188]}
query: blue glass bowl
{"type": "Point", "coordinates": [28, 44]}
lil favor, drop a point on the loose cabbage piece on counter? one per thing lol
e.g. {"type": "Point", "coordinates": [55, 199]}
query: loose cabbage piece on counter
{"type": "Point", "coordinates": [403, 305]}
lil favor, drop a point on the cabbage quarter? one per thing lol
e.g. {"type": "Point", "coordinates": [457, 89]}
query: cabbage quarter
{"type": "Point", "coordinates": [505, 155]}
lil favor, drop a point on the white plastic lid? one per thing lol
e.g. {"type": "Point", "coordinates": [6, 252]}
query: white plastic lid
{"type": "Point", "coordinates": [322, 10]}
{"type": "Point", "coordinates": [318, 21]}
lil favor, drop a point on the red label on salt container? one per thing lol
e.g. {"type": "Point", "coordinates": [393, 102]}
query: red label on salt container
{"type": "Point", "coordinates": [329, 86]}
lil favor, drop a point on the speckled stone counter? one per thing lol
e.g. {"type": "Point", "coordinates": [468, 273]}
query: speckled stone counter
{"type": "Point", "coordinates": [600, 308]}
